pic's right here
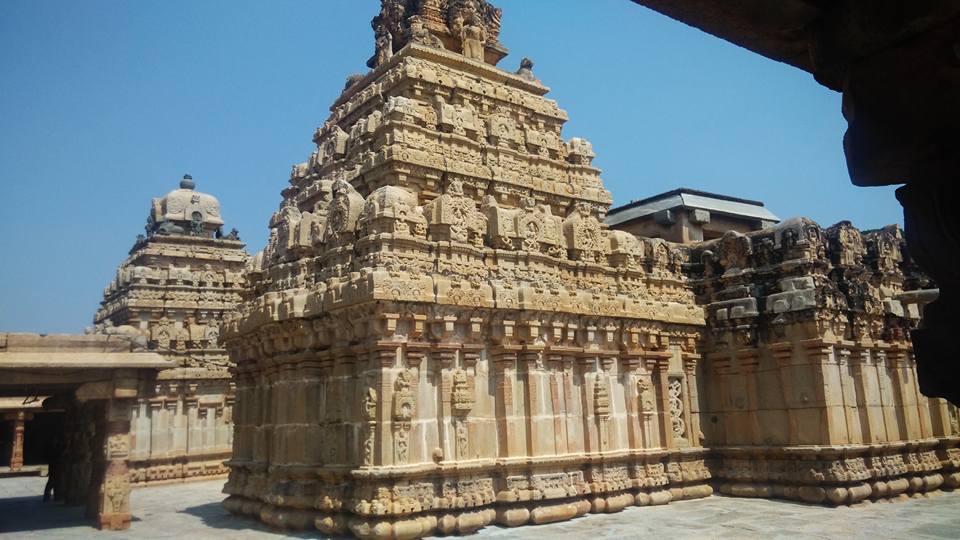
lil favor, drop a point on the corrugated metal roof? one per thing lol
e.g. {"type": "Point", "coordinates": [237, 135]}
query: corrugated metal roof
{"type": "Point", "coordinates": [692, 200]}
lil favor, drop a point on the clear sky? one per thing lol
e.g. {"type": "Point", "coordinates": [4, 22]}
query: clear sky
{"type": "Point", "coordinates": [105, 104]}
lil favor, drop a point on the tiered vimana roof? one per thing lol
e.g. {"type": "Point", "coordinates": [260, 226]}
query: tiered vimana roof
{"type": "Point", "coordinates": [441, 333]}
{"type": "Point", "coordinates": [174, 289]}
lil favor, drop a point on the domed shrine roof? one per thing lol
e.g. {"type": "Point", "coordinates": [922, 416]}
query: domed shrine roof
{"type": "Point", "coordinates": [185, 211]}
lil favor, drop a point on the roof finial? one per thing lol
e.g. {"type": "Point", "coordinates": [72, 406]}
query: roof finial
{"type": "Point", "coordinates": [187, 182]}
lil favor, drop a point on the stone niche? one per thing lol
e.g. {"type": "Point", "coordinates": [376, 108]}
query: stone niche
{"type": "Point", "coordinates": [811, 387]}
{"type": "Point", "coordinates": [442, 334]}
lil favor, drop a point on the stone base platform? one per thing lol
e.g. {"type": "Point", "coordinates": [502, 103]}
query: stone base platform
{"type": "Point", "coordinates": [463, 522]}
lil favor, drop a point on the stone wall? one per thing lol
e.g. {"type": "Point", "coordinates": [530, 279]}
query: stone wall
{"type": "Point", "coordinates": [812, 388]}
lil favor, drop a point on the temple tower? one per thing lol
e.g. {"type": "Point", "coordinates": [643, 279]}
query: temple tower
{"type": "Point", "coordinates": [173, 290]}
{"type": "Point", "coordinates": [441, 333]}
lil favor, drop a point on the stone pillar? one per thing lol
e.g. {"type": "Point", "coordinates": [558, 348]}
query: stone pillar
{"type": "Point", "coordinates": [557, 403]}
{"type": "Point", "coordinates": [114, 495]}
{"type": "Point", "coordinates": [783, 354]}
{"type": "Point", "coordinates": [833, 428]}
{"type": "Point", "coordinates": [749, 361]}
{"type": "Point", "coordinates": [504, 364]}
{"type": "Point", "coordinates": [849, 396]}
{"type": "Point", "coordinates": [861, 367]}
{"type": "Point", "coordinates": [634, 390]}
{"type": "Point", "coordinates": [658, 362]}
{"type": "Point", "coordinates": [693, 398]}
{"type": "Point", "coordinates": [907, 417]}
{"type": "Point", "coordinates": [19, 419]}
{"type": "Point", "coordinates": [571, 401]}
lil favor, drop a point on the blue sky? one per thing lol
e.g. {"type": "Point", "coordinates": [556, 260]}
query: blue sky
{"type": "Point", "coordinates": [105, 104]}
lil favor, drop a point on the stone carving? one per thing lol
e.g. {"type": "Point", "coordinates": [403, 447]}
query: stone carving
{"type": "Point", "coordinates": [404, 408]}
{"type": "Point", "coordinates": [601, 398]}
{"type": "Point", "coordinates": [526, 70]}
{"type": "Point", "coordinates": [584, 237]}
{"type": "Point", "coordinates": [462, 396]}
{"type": "Point", "coordinates": [454, 217]}
{"type": "Point", "coordinates": [735, 251]}
{"type": "Point", "coordinates": [675, 394]}
{"type": "Point", "coordinates": [370, 433]}
{"type": "Point", "coordinates": [346, 206]}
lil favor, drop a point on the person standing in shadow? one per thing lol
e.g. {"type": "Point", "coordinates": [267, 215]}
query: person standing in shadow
{"type": "Point", "coordinates": [54, 451]}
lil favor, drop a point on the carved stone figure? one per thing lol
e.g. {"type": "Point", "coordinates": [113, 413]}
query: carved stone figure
{"type": "Point", "coordinates": [526, 70]}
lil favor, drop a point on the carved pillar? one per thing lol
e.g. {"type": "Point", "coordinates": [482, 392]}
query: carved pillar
{"type": "Point", "coordinates": [634, 390]}
{"type": "Point", "coordinates": [887, 401]}
{"type": "Point", "coordinates": [861, 368]}
{"type": "Point", "coordinates": [783, 354]}
{"type": "Point", "coordinates": [113, 507]}
{"type": "Point", "coordinates": [537, 440]}
{"type": "Point", "coordinates": [827, 389]}
{"type": "Point", "coordinates": [722, 365]}
{"type": "Point", "coordinates": [511, 444]}
{"type": "Point", "coordinates": [446, 361]}
{"type": "Point", "coordinates": [383, 360]}
{"type": "Point", "coordinates": [693, 399]}
{"type": "Point", "coordinates": [907, 419]}
{"type": "Point", "coordinates": [557, 403]}
{"type": "Point", "coordinates": [658, 362]}
{"type": "Point", "coordinates": [922, 402]}
{"type": "Point", "coordinates": [18, 420]}
{"type": "Point", "coordinates": [463, 399]}
{"type": "Point", "coordinates": [602, 400]}
{"type": "Point", "coordinates": [749, 361]}
{"type": "Point", "coordinates": [575, 439]}
{"type": "Point", "coordinates": [849, 396]}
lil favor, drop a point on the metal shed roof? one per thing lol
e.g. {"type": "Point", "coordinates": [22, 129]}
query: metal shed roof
{"type": "Point", "coordinates": [693, 199]}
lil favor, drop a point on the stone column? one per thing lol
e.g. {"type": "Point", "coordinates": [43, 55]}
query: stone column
{"type": "Point", "coordinates": [692, 398]}
{"type": "Point", "coordinates": [19, 419]}
{"type": "Point", "coordinates": [833, 428]}
{"type": "Point", "coordinates": [571, 402]}
{"type": "Point", "coordinates": [633, 391]}
{"type": "Point", "coordinates": [658, 362]}
{"type": "Point", "coordinates": [783, 354]}
{"type": "Point", "coordinates": [849, 396]}
{"type": "Point", "coordinates": [860, 364]}
{"type": "Point", "coordinates": [114, 494]}
{"type": "Point", "coordinates": [537, 440]}
{"type": "Point", "coordinates": [444, 366]}
{"type": "Point", "coordinates": [557, 403]}
{"type": "Point", "coordinates": [504, 364]}
{"type": "Point", "coordinates": [907, 418]}
{"type": "Point", "coordinates": [749, 361]}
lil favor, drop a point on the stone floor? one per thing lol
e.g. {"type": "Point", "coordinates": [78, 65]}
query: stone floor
{"type": "Point", "coordinates": [193, 511]}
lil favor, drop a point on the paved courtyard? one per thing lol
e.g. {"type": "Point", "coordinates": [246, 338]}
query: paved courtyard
{"type": "Point", "coordinates": [193, 511]}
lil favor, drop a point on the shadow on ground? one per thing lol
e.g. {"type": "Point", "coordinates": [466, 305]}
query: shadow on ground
{"type": "Point", "coordinates": [215, 516]}
{"type": "Point", "coordinates": [19, 514]}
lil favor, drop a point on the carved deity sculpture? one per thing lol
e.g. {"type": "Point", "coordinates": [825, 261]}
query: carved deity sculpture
{"type": "Point", "coordinates": [473, 34]}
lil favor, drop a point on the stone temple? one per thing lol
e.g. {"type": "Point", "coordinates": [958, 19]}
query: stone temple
{"type": "Point", "coordinates": [443, 333]}
{"type": "Point", "coordinates": [172, 291]}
